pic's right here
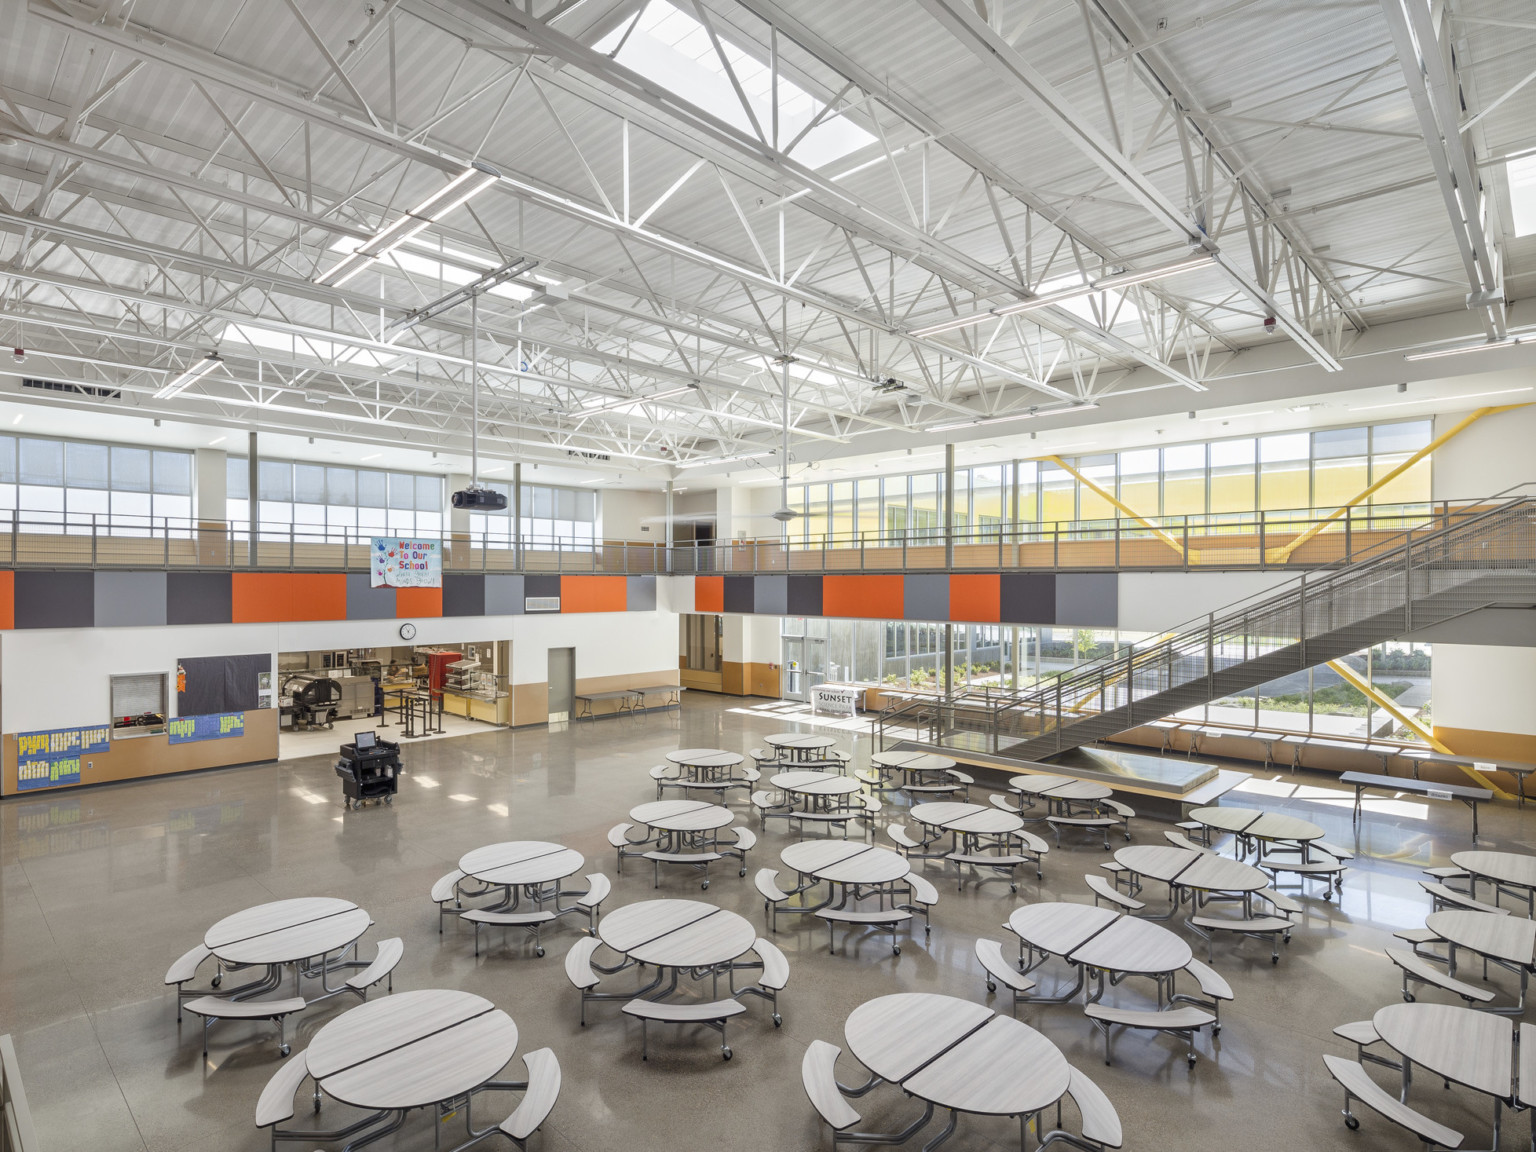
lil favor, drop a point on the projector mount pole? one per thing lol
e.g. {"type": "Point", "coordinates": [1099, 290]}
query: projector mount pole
{"type": "Point", "coordinates": [784, 449]}
{"type": "Point", "coordinates": [474, 390]}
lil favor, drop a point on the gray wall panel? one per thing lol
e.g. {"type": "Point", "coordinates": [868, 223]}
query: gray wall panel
{"type": "Point", "coordinates": [770, 595]}
{"type": "Point", "coordinates": [198, 598]}
{"type": "Point", "coordinates": [130, 599]}
{"type": "Point", "coordinates": [926, 597]}
{"type": "Point", "coordinates": [640, 593]}
{"type": "Point", "coordinates": [503, 595]}
{"type": "Point", "coordinates": [366, 603]}
{"type": "Point", "coordinates": [55, 599]}
{"type": "Point", "coordinates": [1088, 599]}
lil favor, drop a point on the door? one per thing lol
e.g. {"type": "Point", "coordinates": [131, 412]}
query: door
{"type": "Point", "coordinates": [562, 683]}
{"type": "Point", "coordinates": [805, 665]}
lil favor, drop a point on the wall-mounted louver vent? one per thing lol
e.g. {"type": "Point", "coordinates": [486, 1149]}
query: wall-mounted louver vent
{"type": "Point", "coordinates": [541, 604]}
{"type": "Point", "coordinates": [78, 389]}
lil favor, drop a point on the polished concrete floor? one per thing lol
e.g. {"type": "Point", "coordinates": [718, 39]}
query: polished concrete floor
{"type": "Point", "coordinates": [103, 888]}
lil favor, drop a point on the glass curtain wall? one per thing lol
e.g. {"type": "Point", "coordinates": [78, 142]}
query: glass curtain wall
{"type": "Point", "coordinates": [318, 502]}
{"type": "Point", "coordinates": [552, 518]}
{"type": "Point", "coordinates": [76, 487]}
{"type": "Point", "coordinates": [1212, 483]}
{"type": "Point", "coordinates": [1321, 701]}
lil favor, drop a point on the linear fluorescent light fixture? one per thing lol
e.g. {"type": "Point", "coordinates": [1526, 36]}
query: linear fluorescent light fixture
{"type": "Point", "coordinates": [468, 183]}
{"type": "Point", "coordinates": [1507, 342]}
{"type": "Point", "coordinates": [630, 401]}
{"type": "Point", "coordinates": [986, 420]}
{"type": "Point", "coordinates": [723, 460]}
{"type": "Point", "coordinates": [191, 376]}
{"type": "Point", "coordinates": [1105, 284]}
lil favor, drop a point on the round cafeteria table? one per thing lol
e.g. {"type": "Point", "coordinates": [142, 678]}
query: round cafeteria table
{"type": "Point", "coordinates": [1503, 870]}
{"type": "Point", "coordinates": [1102, 940]}
{"type": "Point", "coordinates": [677, 933]}
{"type": "Point", "coordinates": [840, 862]}
{"type": "Point", "coordinates": [1463, 1045]}
{"type": "Point", "coordinates": [969, 823]}
{"type": "Point", "coordinates": [706, 763]}
{"type": "Point", "coordinates": [1249, 824]}
{"type": "Point", "coordinates": [410, 1050]}
{"type": "Point", "coordinates": [687, 817]}
{"type": "Point", "coordinates": [1059, 792]}
{"type": "Point", "coordinates": [957, 1054]}
{"type": "Point", "coordinates": [287, 932]}
{"type": "Point", "coordinates": [912, 761]}
{"type": "Point", "coordinates": [799, 745]}
{"type": "Point", "coordinates": [816, 789]}
{"type": "Point", "coordinates": [1196, 874]}
{"type": "Point", "coordinates": [1509, 941]}
{"type": "Point", "coordinates": [523, 867]}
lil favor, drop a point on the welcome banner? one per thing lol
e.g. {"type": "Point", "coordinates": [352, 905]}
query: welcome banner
{"type": "Point", "coordinates": [403, 563]}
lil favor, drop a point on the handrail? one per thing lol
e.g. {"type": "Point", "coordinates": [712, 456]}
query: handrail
{"type": "Point", "coordinates": [1218, 541]}
{"type": "Point", "coordinates": [16, 1131]}
{"type": "Point", "coordinates": [1253, 612]}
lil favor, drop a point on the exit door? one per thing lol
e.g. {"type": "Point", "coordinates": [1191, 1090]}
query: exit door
{"type": "Point", "coordinates": [562, 683]}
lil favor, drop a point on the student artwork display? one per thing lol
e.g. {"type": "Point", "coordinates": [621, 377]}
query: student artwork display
{"type": "Point", "coordinates": [49, 759]}
{"type": "Point", "coordinates": [403, 563]}
{"type": "Point", "coordinates": [219, 726]}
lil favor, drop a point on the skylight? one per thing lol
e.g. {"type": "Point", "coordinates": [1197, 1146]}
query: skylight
{"type": "Point", "coordinates": [673, 49]}
{"type": "Point", "coordinates": [1082, 306]}
{"type": "Point", "coordinates": [330, 351]}
{"type": "Point", "coordinates": [1522, 193]}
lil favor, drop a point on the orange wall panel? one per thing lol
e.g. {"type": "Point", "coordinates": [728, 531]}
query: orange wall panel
{"type": "Point", "coordinates": [975, 598]}
{"type": "Point", "coordinates": [592, 593]}
{"type": "Point", "coordinates": [265, 597]}
{"type": "Point", "coordinates": [418, 602]}
{"type": "Point", "coordinates": [709, 593]}
{"type": "Point", "coordinates": [7, 599]}
{"type": "Point", "coordinates": [867, 597]}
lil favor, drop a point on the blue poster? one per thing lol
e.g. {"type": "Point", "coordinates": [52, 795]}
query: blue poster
{"type": "Point", "coordinates": [51, 759]}
{"type": "Point", "coordinates": [217, 726]}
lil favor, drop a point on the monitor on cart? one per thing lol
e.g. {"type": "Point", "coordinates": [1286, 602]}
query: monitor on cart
{"type": "Point", "coordinates": [364, 740]}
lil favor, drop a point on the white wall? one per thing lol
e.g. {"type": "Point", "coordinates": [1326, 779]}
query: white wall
{"type": "Point", "coordinates": [627, 510]}
{"type": "Point", "coordinates": [1491, 455]}
{"type": "Point", "coordinates": [57, 678]}
{"type": "Point", "coordinates": [212, 483]}
{"type": "Point", "coordinates": [1157, 601]}
{"type": "Point", "coordinates": [607, 644]}
{"type": "Point", "coordinates": [1488, 689]}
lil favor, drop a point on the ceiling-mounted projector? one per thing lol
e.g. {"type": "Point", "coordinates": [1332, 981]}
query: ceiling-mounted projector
{"type": "Point", "coordinates": [483, 498]}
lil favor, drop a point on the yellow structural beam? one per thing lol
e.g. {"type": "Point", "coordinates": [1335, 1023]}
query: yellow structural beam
{"type": "Point", "coordinates": [1360, 684]}
{"type": "Point", "coordinates": [1283, 552]}
{"type": "Point", "coordinates": [1107, 495]}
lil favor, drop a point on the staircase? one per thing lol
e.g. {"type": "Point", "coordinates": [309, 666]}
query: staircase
{"type": "Point", "coordinates": [1485, 559]}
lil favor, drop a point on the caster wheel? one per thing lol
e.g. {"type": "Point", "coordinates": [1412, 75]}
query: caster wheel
{"type": "Point", "coordinates": [1192, 1061]}
{"type": "Point", "coordinates": [1013, 887]}
{"type": "Point", "coordinates": [743, 872]}
{"type": "Point", "coordinates": [991, 987]}
{"type": "Point", "coordinates": [1215, 1031]}
{"type": "Point", "coordinates": [645, 1057]}
{"type": "Point", "coordinates": [538, 952]}
{"type": "Point", "coordinates": [777, 1020]}
{"type": "Point", "coordinates": [726, 1053]}
{"type": "Point", "coordinates": [1351, 1123]}
{"type": "Point", "coordinates": [896, 949]}
{"type": "Point", "coordinates": [217, 980]}
{"type": "Point", "coordinates": [284, 1050]}
{"type": "Point", "coordinates": [1274, 959]}
{"type": "Point", "coordinates": [390, 800]}
{"type": "Point", "coordinates": [705, 886]}
{"type": "Point", "coordinates": [1408, 996]}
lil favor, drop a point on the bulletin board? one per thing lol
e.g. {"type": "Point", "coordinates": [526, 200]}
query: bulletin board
{"type": "Point", "coordinates": [212, 685]}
